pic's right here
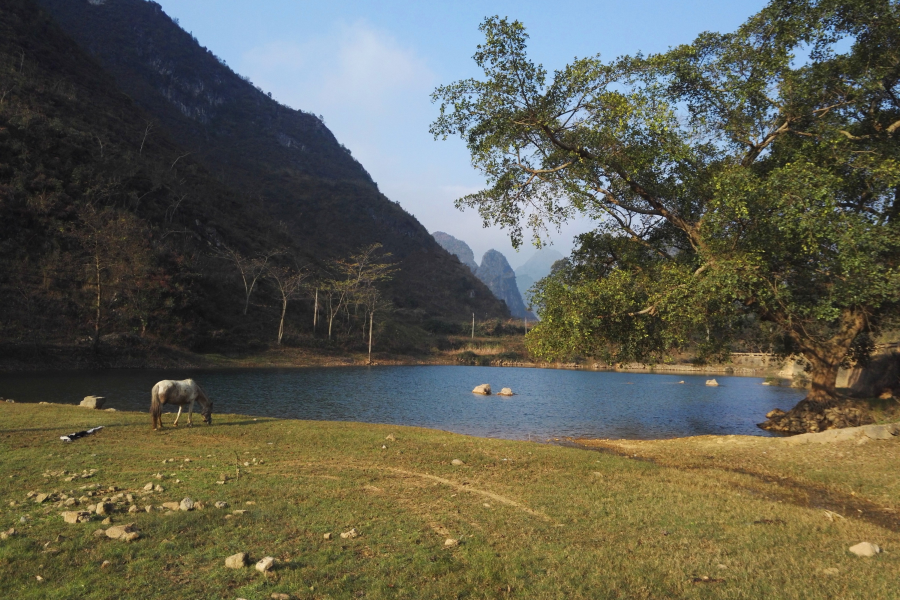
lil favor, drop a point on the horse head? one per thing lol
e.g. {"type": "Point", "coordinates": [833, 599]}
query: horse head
{"type": "Point", "coordinates": [207, 414]}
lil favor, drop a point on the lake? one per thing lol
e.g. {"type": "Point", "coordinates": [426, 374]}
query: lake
{"type": "Point", "coordinates": [548, 403]}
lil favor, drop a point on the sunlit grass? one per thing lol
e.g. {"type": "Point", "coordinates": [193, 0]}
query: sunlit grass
{"type": "Point", "coordinates": [533, 521]}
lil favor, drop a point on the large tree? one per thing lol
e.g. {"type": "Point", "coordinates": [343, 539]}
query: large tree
{"type": "Point", "coordinates": [751, 175]}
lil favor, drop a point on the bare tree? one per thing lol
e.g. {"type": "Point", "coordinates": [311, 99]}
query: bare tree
{"type": "Point", "coordinates": [352, 277]}
{"type": "Point", "coordinates": [289, 283]}
{"type": "Point", "coordinates": [251, 269]}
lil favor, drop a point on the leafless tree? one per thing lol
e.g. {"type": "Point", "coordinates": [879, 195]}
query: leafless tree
{"type": "Point", "coordinates": [289, 282]}
{"type": "Point", "coordinates": [251, 269]}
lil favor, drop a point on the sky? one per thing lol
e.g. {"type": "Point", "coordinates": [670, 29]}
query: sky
{"type": "Point", "coordinates": [369, 68]}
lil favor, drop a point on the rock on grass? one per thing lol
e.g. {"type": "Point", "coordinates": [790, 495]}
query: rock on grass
{"type": "Point", "coordinates": [237, 561]}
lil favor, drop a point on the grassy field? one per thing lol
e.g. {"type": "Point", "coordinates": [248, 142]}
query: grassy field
{"type": "Point", "coordinates": [693, 518]}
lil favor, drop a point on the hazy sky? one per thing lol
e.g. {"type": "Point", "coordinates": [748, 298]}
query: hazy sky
{"type": "Point", "coordinates": [369, 68]}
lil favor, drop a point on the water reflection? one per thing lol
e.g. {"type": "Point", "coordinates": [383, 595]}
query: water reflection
{"type": "Point", "coordinates": [548, 403]}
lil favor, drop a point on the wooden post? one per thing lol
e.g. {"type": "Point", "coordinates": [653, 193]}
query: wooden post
{"type": "Point", "coordinates": [473, 326]}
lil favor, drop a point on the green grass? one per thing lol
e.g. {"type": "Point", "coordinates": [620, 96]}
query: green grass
{"type": "Point", "coordinates": [534, 521]}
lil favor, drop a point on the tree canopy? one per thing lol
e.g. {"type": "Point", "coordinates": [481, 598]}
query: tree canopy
{"type": "Point", "coordinates": [750, 175]}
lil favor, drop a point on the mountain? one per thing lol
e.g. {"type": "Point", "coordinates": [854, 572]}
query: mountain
{"type": "Point", "coordinates": [496, 273]}
{"type": "Point", "coordinates": [458, 248]}
{"type": "Point", "coordinates": [112, 226]}
{"type": "Point", "coordinates": [284, 161]}
{"type": "Point", "coordinates": [535, 268]}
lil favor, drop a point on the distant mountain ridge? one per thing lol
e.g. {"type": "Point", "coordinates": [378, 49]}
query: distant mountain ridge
{"type": "Point", "coordinates": [494, 271]}
{"type": "Point", "coordinates": [535, 268]}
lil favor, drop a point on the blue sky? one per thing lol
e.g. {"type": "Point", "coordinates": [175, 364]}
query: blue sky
{"type": "Point", "coordinates": [369, 67]}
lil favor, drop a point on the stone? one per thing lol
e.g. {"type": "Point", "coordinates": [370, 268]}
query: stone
{"type": "Point", "coordinates": [831, 571]}
{"type": "Point", "coordinates": [353, 533]}
{"type": "Point", "coordinates": [221, 504]}
{"type": "Point", "coordinates": [237, 561]}
{"type": "Point", "coordinates": [106, 521]}
{"type": "Point", "coordinates": [148, 487]}
{"type": "Point", "coordinates": [148, 508]}
{"type": "Point", "coordinates": [712, 382]}
{"type": "Point", "coordinates": [158, 488]}
{"type": "Point", "coordinates": [280, 596]}
{"type": "Point", "coordinates": [881, 432]}
{"type": "Point", "coordinates": [95, 402]}
{"type": "Point", "coordinates": [130, 536]}
{"type": "Point", "coordinates": [105, 564]}
{"type": "Point", "coordinates": [103, 509]}
{"type": "Point", "coordinates": [483, 389]}
{"type": "Point", "coordinates": [41, 498]}
{"type": "Point", "coordinates": [505, 392]}
{"type": "Point", "coordinates": [76, 516]}
{"type": "Point", "coordinates": [70, 502]}
{"type": "Point", "coordinates": [456, 462]}
{"type": "Point", "coordinates": [133, 509]}
{"type": "Point", "coordinates": [171, 505]}
{"type": "Point", "coordinates": [238, 512]}
{"type": "Point", "coordinates": [265, 565]}
{"type": "Point", "coordinates": [99, 533]}
{"type": "Point", "coordinates": [328, 536]}
{"type": "Point", "coordinates": [186, 504]}
{"type": "Point", "coordinates": [775, 412]}
{"type": "Point", "coordinates": [390, 437]}
{"type": "Point", "coordinates": [865, 549]}
{"type": "Point", "coordinates": [8, 534]}
{"type": "Point", "coordinates": [117, 531]}
{"type": "Point", "coordinates": [451, 543]}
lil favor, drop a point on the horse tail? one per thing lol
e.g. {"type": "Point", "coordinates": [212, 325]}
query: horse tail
{"type": "Point", "coordinates": [155, 407]}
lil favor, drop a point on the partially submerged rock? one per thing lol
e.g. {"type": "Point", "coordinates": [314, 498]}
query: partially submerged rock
{"type": "Point", "coordinates": [484, 389]}
{"type": "Point", "coordinates": [505, 392]}
{"type": "Point", "coordinates": [712, 382]}
{"type": "Point", "coordinates": [812, 417]}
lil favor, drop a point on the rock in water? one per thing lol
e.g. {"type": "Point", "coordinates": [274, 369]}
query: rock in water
{"type": "Point", "coordinates": [712, 382]}
{"type": "Point", "coordinates": [265, 565]}
{"type": "Point", "coordinates": [865, 549]}
{"type": "Point", "coordinates": [93, 402]}
{"type": "Point", "coordinates": [505, 392]}
{"type": "Point", "coordinates": [237, 561]}
{"type": "Point", "coordinates": [484, 389]}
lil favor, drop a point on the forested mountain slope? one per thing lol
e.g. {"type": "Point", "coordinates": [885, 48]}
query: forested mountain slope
{"type": "Point", "coordinates": [110, 227]}
{"type": "Point", "coordinates": [282, 159]}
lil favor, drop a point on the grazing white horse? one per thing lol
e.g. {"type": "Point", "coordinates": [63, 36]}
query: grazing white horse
{"type": "Point", "coordinates": [179, 393]}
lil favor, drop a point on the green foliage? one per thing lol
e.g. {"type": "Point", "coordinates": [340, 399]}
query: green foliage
{"type": "Point", "coordinates": [753, 174]}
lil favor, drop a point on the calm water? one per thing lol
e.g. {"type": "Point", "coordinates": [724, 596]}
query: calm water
{"type": "Point", "coordinates": [548, 403]}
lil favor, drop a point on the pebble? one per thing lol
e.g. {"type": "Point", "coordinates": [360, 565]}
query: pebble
{"type": "Point", "coordinates": [451, 543]}
{"type": "Point", "coordinates": [350, 534]}
{"type": "Point", "coordinates": [186, 504]}
{"type": "Point", "coordinates": [831, 571]}
{"type": "Point", "coordinates": [265, 565]}
{"type": "Point", "coordinates": [171, 505]}
{"type": "Point", "coordinates": [280, 596]}
{"type": "Point", "coordinates": [76, 516]}
{"type": "Point", "coordinates": [105, 564]}
{"type": "Point", "coordinates": [238, 512]}
{"type": "Point", "coordinates": [328, 536]}
{"type": "Point", "coordinates": [221, 504]}
{"type": "Point", "coordinates": [237, 561]}
{"type": "Point", "coordinates": [457, 462]}
{"type": "Point", "coordinates": [133, 509]}
{"type": "Point", "coordinates": [865, 549]}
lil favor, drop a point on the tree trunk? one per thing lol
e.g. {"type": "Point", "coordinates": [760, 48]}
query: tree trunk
{"type": "Point", "coordinates": [284, 304]}
{"type": "Point", "coordinates": [371, 320]}
{"type": "Point", "coordinates": [96, 341]}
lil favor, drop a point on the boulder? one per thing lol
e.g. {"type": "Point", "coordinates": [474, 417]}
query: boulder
{"type": "Point", "coordinates": [775, 412]}
{"type": "Point", "coordinates": [76, 516]}
{"type": "Point", "coordinates": [95, 402]}
{"type": "Point", "coordinates": [118, 531]}
{"type": "Point", "coordinates": [171, 505]}
{"type": "Point", "coordinates": [237, 561]}
{"type": "Point", "coordinates": [103, 508]}
{"type": "Point", "coordinates": [353, 533]}
{"type": "Point", "coordinates": [265, 565]}
{"type": "Point", "coordinates": [484, 389]}
{"type": "Point", "coordinates": [712, 382]}
{"type": "Point", "coordinates": [865, 549]}
{"type": "Point", "coordinates": [186, 504]}
{"type": "Point", "coordinates": [505, 392]}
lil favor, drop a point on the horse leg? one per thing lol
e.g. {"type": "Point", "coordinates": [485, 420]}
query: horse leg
{"type": "Point", "coordinates": [191, 415]}
{"type": "Point", "coordinates": [178, 416]}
